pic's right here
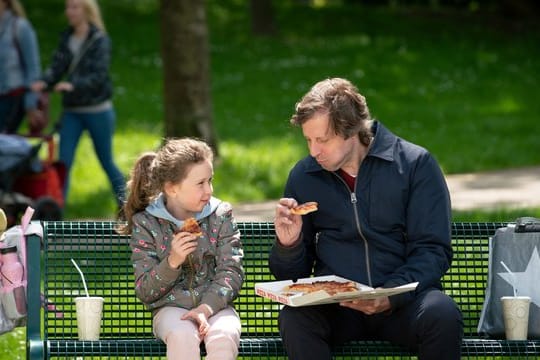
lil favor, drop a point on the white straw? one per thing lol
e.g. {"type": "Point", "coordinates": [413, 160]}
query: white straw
{"type": "Point", "coordinates": [511, 273]}
{"type": "Point", "coordinates": [82, 276]}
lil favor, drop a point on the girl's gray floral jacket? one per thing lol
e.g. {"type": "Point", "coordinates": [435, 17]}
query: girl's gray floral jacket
{"type": "Point", "coordinates": [212, 275]}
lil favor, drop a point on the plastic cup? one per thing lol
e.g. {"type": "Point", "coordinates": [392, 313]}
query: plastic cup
{"type": "Point", "coordinates": [516, 316]}
{"type": "Point", "coordinates": [89, 312]}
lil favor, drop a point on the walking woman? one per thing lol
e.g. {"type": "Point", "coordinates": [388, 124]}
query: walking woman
{"type": "Point", "coordinates": [80, 71]}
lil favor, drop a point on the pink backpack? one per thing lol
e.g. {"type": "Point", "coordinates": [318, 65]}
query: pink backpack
{"type": "Point", "coordinates": [13, 272]}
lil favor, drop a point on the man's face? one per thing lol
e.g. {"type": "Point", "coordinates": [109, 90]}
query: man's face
{"type": "Point", "coordinates": [330, 150]}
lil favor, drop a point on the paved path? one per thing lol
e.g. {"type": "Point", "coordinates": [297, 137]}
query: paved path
{"type": "Point", "coordinates": [511, 188]}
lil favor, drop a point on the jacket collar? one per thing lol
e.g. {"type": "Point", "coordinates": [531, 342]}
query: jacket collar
{"type": "Point", "coordinates": [382, 147]}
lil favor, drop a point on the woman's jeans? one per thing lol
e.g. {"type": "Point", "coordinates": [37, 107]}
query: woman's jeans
{"type": "Point", "coordinates": [100, 126]}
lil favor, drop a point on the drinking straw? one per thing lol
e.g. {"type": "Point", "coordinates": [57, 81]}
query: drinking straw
{"type": "Point", "coordinates": [512, 274]}
{"type": "Point", "coordinates": [82, 276]}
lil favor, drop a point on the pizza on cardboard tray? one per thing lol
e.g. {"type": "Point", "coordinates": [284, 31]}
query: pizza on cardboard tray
{"type": "Point", "coordinates": [330, 286]}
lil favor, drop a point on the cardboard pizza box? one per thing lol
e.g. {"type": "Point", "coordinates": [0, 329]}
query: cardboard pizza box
{"type": "Point", "coordinates": [277, 291]}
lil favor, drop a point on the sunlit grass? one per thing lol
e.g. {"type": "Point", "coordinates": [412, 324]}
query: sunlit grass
{"type": "Point", "coordinates": [457, 85]}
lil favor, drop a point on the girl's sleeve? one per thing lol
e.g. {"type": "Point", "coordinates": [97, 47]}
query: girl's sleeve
{"type": "Point", "coordinates": [153, 277]}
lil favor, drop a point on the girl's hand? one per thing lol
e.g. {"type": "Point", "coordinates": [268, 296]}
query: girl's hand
{"type": "Point", "coordinates": [182, 245]}
{"type": "Point", "coordinates": [199, 316]}
{"type": "Point", "coordinates": [63, 86]}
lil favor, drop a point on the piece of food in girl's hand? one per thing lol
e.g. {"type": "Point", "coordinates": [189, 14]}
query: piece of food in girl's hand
{"type": "Point", "coordinates": [191, 226]}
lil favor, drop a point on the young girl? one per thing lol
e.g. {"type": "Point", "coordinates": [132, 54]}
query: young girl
{"type": "Point", "coordinates": [187, 281]}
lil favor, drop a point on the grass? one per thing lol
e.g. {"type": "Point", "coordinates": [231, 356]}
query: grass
{"type": "Point", "coordinates": [462, 85]}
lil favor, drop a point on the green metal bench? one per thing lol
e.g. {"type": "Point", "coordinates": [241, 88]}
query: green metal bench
{"type": "Point", "coordinates": [104, 257]}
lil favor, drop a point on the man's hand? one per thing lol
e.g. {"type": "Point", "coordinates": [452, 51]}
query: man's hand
{"type": "Point", "coordinates": [369, 307]}
{"type": "Point", "coordinates": [199, 316]}
{"type": "Point", "coordinates": [288, 226]}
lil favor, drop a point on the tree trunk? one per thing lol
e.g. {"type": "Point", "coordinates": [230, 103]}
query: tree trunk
{"type": "Point", "coordinates": [186, 70]}
{"type": "Point", "coordinates": [262, 17]}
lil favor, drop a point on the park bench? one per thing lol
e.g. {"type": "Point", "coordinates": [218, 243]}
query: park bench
{"type": "Point", "coordinates": [104, 257]}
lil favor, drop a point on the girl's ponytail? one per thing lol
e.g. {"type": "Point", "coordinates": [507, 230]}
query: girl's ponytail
{"type": "Point", "coordinates": [141, 189]}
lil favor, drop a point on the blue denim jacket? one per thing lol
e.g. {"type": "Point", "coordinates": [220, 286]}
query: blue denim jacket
{"type": "Point", "coordinates": [15, 73]}
{"type": "Point", "coordinates": [393, 229]}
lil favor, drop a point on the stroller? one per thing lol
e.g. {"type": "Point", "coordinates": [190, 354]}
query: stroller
{"type": "Point", "coordinates": [26, 180]}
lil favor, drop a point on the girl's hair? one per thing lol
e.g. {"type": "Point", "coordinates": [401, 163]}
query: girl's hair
{"type": "Point", "coordinates": [91, 8]}
{"type": "Point", "coordinates": [16, 7]}
{"type": "Point", "coordinates": [347, 109]}
{"type": "Point", "coordinates": [152, 170]}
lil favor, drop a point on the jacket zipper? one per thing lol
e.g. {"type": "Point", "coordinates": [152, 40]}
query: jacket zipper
{"type": "Point", "coordinates": [354, 200]}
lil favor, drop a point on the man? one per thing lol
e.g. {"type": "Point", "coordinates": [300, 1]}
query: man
{"type": "Point", "coordinates": [383, 219]}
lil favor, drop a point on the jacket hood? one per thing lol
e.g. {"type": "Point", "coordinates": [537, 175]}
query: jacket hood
{"type": "Point", "coordinates": [157, 208]}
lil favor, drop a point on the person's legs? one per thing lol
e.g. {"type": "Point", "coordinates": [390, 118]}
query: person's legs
{"type": "Point", "coordinates": [310, 332]}
{"type": "Point", "coordinates": [71, 127]}
{"type": "Point", "coordinates": [11, 113]}
{"type": "Point", "coordinates": [223, 337]}
{"type": "Point", "coordinates": [180, 336]}
{"type": "Point", "coordinates": [101, 127]}
{"type": "Point", "coordinates": [432, 325]}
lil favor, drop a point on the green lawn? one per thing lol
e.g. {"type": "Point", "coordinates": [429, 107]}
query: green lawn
{"type": "Point", "coordinates": [462, 85]}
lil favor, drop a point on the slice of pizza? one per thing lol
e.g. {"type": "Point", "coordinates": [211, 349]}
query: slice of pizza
{"type": "Point", "coordinates": [305, 208]}
{"type": "Point", "coordinates": [331, 287]}
{"type": "Point", "coordinates": [191, 226]}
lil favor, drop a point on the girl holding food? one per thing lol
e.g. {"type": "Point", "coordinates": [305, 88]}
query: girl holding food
{"type": "Point", "coordinates": [186, 250]}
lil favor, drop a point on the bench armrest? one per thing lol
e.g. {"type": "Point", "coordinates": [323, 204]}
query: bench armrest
{"type": "Point", "coordinates": [34, 343]}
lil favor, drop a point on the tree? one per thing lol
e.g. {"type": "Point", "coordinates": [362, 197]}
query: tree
{"type": "Point", "coordinates": [262, 17]}
{"type": "Point", "coordinates": [186, 70]}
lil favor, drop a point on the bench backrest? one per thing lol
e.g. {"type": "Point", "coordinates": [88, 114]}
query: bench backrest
{"type": "Point", "coordinates": [104, 257]}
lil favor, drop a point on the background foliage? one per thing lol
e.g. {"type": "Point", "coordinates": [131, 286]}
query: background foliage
{"type": "Point", "coordinates": [459, 82]}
